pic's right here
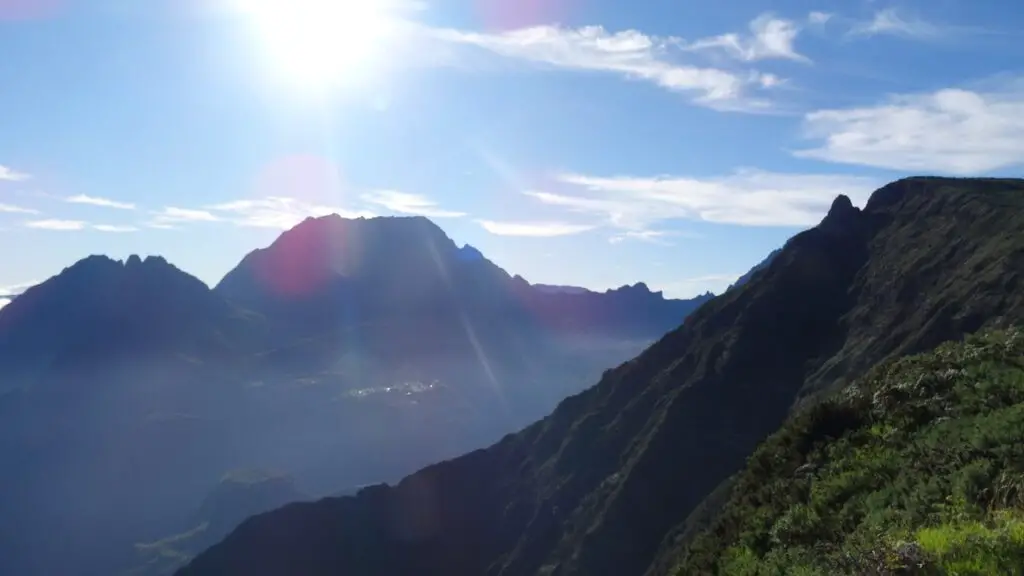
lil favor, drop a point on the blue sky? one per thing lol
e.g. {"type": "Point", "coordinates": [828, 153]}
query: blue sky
{"type": "Point", "coordinates": [587, 142]}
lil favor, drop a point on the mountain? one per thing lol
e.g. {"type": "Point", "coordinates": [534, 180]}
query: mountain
{"type": "Point", "coordinates": [347, 353]}
{"type": "Point", "coordinates": [144, 306]}
{"type": "Point", "coordinates": [607, 483]}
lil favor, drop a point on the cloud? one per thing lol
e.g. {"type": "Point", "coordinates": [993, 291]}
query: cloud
{"type": "Point", "coordinates": [533, 229]}
{"type": "Point", "coordinates": [746, 197]}
{"type": "Point", "coordinates": [278, 212]}
{"type": "Point", "coordinates": [769, 38]}
{"type": "Point", "coordinates": [891, 22]}
{"type": "Point", "coordinates": [953, 131]}
{"type": "Point", "coordinates": [115, 229]}
{"type": "Point", "coordinates": [15, 289]}
{"type": "Point", "coordinates": [170, 217]}
{"type": "Point", "coordinates": [11, 175]}
{"type": "Point", "coordinates": [651, 236]}
{"type": "Point", "coordinates": [406, 203]}
{"type": "Point", "coordinates": [52, 224]}
{"type": "Point", "coordinates": [102, 202]}
{"type": "Point", "coordinates": [4, 302]}
{"type": "Point", "coordinates": [11, 209]}
{"type": "Point", "coordinates": [819, 18]}
{"type": "Point", "coordinates": [628, 53]}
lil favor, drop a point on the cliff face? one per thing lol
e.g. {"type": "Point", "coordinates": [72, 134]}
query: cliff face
{"type": "Point", "coordinates": [602, 485]}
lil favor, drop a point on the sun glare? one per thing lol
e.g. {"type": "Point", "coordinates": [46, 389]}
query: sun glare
{"type": "Point", "coordinates": [319, 43]}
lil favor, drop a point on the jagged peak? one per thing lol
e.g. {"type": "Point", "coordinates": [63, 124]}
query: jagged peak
{"type": "Point", "coordinates": [468, 252]}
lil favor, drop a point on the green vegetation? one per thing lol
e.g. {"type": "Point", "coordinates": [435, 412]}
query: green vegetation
{"type": "Point", "coordinates": [917, 468]}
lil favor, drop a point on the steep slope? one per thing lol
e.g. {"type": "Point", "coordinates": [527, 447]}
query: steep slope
{"type": "Point", "coordinates": [914, 469]}
{"type": "Point", "coordinates": [601, 485]}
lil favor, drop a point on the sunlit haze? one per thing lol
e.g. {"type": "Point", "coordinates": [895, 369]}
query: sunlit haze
{"type": "Point", "coordinates": [319, 44]}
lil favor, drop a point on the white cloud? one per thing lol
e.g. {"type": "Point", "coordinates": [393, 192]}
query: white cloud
{"type": "Point", "coordinates": [170, 217]}
{"type": "Point", "coordinates": [15, 289]}
{"type": "Point", "coordinates": [819, 18]}
{"type": "Point", "coordinates": [115, 229]}
{"type": "Point", "coordinates": [102, 202]}
{"type": "Point", "coordinates": [651, 236]}
{"type": "Point", "coordinates": [11, 175]}
{"type": "Point", "coordinates": [53, 224]}
{"type": "Point", "coordinates": [11, 209]}
{"type": "Point", "coordinates": [406, 203]}
{"type": "Point", "coordinates": [629, 53]}
{"type": "Point", "coordinates": [890, 21]}
{"type": "Point", "coordinates": [746, 197]}
{"type": "Point", "coordinates": [953, 131]}
{"type": "Point", "coordinates": [770, 37]}
{"type": "Point", "coordinates": [533, 229]}
{"type": "Point", "coordinates": [278, 212]}
{"type": "Point", "coordinates": [4, 302]}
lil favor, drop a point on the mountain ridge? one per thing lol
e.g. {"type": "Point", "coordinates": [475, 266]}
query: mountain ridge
{"type": "Point", "coordinates": [598, 486]}
{"type": "Point", "coordinates": [127, 387]}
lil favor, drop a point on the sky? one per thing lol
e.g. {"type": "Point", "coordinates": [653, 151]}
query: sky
{"type": "Point", "coordinates": [584, 142]}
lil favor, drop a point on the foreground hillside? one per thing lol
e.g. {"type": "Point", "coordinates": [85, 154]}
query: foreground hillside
{"type": "Point", "coordinates": [606, 484]}
{"type": "Point", "coordinates": [916, 468]}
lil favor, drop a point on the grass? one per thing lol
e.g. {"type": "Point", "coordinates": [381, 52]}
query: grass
{"type": "Point", "coordinates": [917, 468]}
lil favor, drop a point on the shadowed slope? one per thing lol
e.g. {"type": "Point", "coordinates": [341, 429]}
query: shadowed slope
{"type": "Point", "coordinates": [597, 487]}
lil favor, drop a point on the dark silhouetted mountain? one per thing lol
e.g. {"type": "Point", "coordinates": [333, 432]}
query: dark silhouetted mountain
{"type": "Point", "coordinates": [100, 310]}
{"type": "Point", "coordinates": [606, 483]}
{"type": "Point", "coordinates": [331, 273]}
{"type": "Point", "coordinates": [348, 353]}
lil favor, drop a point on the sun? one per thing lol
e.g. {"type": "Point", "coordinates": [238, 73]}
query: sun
{"type": "Point", "coordinates": [319, 43]}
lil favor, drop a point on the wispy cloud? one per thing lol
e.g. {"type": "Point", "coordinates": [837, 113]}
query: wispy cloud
{"type": "Point", "coordinates": [15, 289]}
{"type": "Point", "coordinates": [819, 18]}
{"type": "Point", "coordinates": [533, 229]}
{"type": "Point", "coordinates": [114, 229]}
{"type": "Point", "coordinates": [891, 21]}
{"type": "Point", "coordinates": [59, 225]}
{"type": "Point", "coordinates": [745, 197]}
{"type": "Point", "coordinates": [770, 37]}
{"type": "Point", "coordinates": [102, 202]}
{"type": "Point", "coordinates": [11, 175]}
{"type": "Point", "coordinates": [651, 236]}
{"type": "Point", "coordinates": [953, 131]}
{"type": "Point", "coordinates": [277, 212]}
{"type": "Point", "coordinates": [629, 53]}
{"type": "Point", "coordinates": [11, 209]}
{"type": "Point", "coordinates": [406, 203]}
{"type": "Point", "coordinates": [170, 217]}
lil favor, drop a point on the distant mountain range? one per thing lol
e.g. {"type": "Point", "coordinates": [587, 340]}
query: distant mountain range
{"type": "Point", "coordinates": [631, 476]}
{"type": "Point", "coordinates": [348, 352]}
